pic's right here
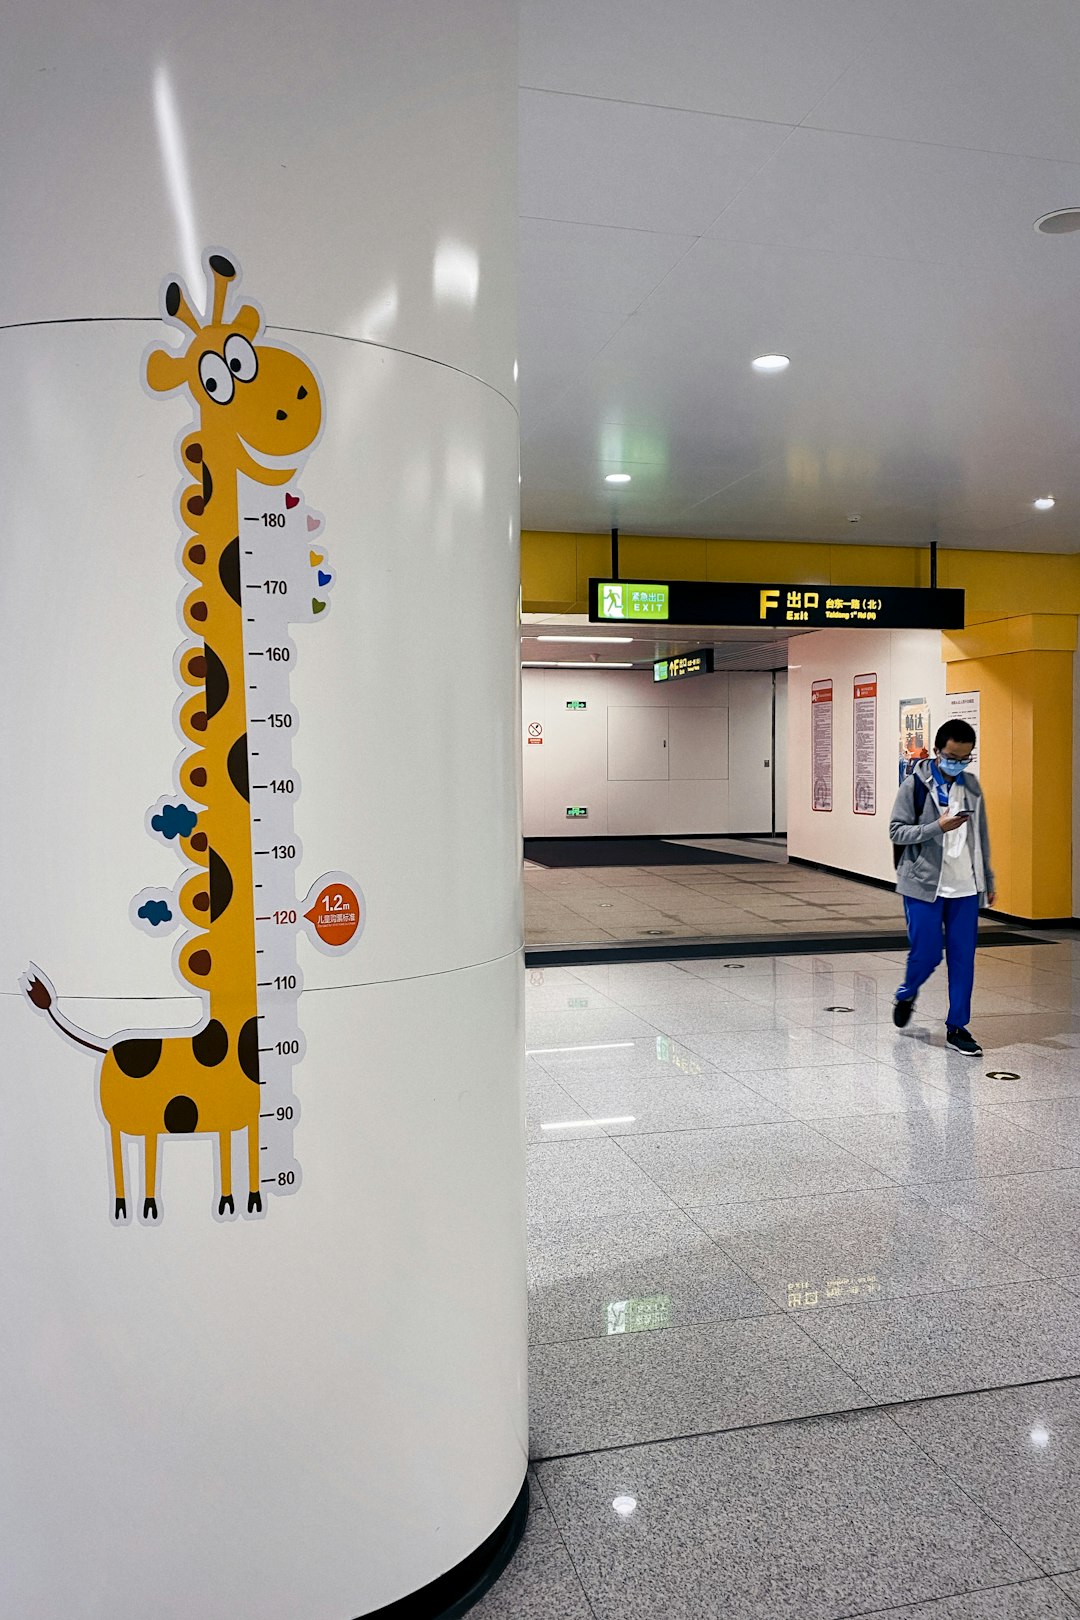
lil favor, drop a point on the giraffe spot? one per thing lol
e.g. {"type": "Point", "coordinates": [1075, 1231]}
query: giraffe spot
{"type": "Point", "coordinates": [247, 1049]}
{"type": "Point", "coordinates": [138, 1057]}
{"type": "Point", "coordinates": [282, 416]}
{"type": "Point", "coordinates": [197, 666]}
{"type": "Point", "coordinates": [197, 555]}
{"type": "Point", "coordinates": [229, 569]}
{"type": "Point", "coordinates": [221, 266]}
{"type": "Point", "coordinates": [173, 296]}
{"type": "Point", "coordinates": [196, 506]}
{"type": "Point", "coordinates": [181, 1116]}
{"type": "Point", "coordinates": [201, 901]}
{"type": "Point", "coordinates": [194, 453]}
{"type": "Point", "coordinates": [198, 611]}
{"type": "Point", "coordinates": [199, 962]}
{"type": "Point", "coordinates": [199, 842]}
{"type": "Point", "coordinates": [238, 766]}
{"type": "Point", "coordinates": [211, 1045]}
{"type": "Point", "coordinates": [198, 777]}
{"type": "Point", "coordinates": [221, 885]}
{"type": "Point", "coordinates": [197, 721]}
{"type": "Point", "coordinates": [301, 392]}
{"type": "Point", "coordinates": [207, 484]}
{"type": "Point", "coordinates": [217, 683]}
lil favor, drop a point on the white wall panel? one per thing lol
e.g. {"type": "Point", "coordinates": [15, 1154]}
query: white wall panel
{"type": "Point", "coordinates": [637, 744]}
{"type": "Point", "coordinates": [699, 745]}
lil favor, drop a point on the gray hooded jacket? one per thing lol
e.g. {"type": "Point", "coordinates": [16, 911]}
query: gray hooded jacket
{"type": "Point", "coordinates": [919, 872]}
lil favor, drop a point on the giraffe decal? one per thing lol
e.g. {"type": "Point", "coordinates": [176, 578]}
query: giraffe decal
{"type": "Point", "coordinates": [254, 566]}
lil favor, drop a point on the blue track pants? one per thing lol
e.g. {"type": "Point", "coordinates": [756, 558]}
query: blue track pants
{"type": "Point", "coordinates": [938, 928]}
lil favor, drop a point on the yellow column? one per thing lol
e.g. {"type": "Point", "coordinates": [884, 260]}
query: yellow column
{"type": "Point", "coordinates": [1023, 670]}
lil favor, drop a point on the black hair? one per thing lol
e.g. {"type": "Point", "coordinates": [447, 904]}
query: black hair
{"type": "Point", "coordinates": [957, 731]}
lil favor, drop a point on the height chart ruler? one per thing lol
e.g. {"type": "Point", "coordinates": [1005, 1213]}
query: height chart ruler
{"type": "Point", "coordinates": [285, 580]}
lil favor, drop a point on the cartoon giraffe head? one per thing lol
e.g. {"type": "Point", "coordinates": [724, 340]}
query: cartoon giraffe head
{"type": "Point", "coordinates": [259, 405]}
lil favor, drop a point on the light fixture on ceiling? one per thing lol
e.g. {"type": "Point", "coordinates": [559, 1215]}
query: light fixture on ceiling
{"type": "Point", "coordinates": [1060, 222]}
{"type": "Point", "coordinates": [609, 641]}
{"type": "Point", "coordinates": [568, 663]}
{"type": "Point", "coordinates": [617, 478]}
{"type": "Point", "coordinates": [771, 362]}
{"type": "Point", "coordinates": [1044, 503]}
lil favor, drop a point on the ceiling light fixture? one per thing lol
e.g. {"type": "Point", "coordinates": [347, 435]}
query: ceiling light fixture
{"type": "Point", "coordinates": [617, 478]}
{"type": "Point", "coordinates": [609, 641]}
{"type": "Point", "coordinates": [1060, 222]}
{"type": "Point", "coordinates": [1044, 503]}
{"type": "Point", "coordinates": [771, 362]}
{"type": "Point", "coordinates": [568, 663]}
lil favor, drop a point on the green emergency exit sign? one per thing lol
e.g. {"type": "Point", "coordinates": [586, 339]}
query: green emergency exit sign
{"type": "Point", "coordinates": [575, 705]}
{"type": "Point", "coordinates": [618, 601]}
{"type": "Point", "coordinates": [573, 811]}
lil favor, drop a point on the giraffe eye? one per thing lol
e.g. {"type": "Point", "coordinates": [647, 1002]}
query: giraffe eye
{"type": "Point", "coordinates": [216, 378]}
{"type": "Point", "coordinates": [241, 358]}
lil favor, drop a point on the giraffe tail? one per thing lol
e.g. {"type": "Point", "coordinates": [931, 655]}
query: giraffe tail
{"type": "Point", "coordinates": [42, 997]}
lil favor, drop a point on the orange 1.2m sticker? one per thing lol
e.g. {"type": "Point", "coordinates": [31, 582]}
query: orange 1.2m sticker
{"type": "Point", "coordinates": [334, 912]}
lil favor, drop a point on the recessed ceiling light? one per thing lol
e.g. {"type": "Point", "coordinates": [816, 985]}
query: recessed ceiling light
{"type": "Point", "coordinates": [568, 663]}
{"type": "Point", "coordinates": [1062, 222]}
{"type": "Point", "coordinates": [609, 641]}
{"type": "Point", "coordinates": [771, 362]}
{"type": "Point", "coordinates": [1044, 503]}
{"type": "Point", "coordinates": [617, 478]}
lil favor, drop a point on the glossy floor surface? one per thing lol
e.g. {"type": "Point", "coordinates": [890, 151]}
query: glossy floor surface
{"type": "Point", "coordinates": [763, 900]}
{"type": "Point", "coordinates": [805, 1294]}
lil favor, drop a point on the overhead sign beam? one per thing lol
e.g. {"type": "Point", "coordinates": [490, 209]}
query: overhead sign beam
{"type": "Point", "coordinates": [806, 607]}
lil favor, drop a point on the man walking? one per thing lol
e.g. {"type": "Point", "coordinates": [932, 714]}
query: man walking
{"type": "Point", "coordinates": [943, 871]}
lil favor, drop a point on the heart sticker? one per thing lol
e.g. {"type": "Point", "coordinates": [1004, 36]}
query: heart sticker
{"type": "Point", "coordinates": [317, 607]}
{"type": "Point", "coordinates": [313, 522]}
{"type": "Point", "coordinates": [316, 557]}
{"type": "Point", "coordinates": [324, 579]}
{"type": "Point", "coordinates": [291, 501]}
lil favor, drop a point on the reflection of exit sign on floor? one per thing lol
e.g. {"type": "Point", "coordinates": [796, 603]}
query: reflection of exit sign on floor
{"type": "Point", "coordinates": [577, 705]}
{"type": "Point", "coordinates": [575, 810]}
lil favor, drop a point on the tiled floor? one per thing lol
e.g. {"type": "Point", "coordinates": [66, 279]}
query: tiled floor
{"type": "Point", "coordinates": [805, 1295]}
{"type": "Point", "coordinates": [766, 900]}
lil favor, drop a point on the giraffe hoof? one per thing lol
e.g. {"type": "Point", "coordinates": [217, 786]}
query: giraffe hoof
{"type": "Point", "coordinates": [226, 1205]}
{"type": "Point", "coordinates": [254, 1203]}
{"type": "Point", "coordinates": [149, 1209]}
{"type": "Point", "coordinates": [120, 1213]}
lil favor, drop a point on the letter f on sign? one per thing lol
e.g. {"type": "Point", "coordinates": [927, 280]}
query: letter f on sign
{"type": "Point", "coordinates": [769, 599]}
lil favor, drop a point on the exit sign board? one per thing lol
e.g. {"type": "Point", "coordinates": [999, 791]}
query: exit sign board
{"type": "Point", "coordinates": [575, 704]}
{"type": "Point", "coordinates": [575, 811]}
{"type": "Point", "coordinates": [685, 665]}
{"type": "Point", "coordinates": [805, 607]}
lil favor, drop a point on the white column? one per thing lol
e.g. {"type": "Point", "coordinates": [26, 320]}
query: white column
{"type": "Point", "coordinates": [315, 1409]}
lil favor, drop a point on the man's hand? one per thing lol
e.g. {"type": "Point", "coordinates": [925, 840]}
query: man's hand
{"type": "Point", "coordinates": [991, 898]}
{"type": "Point", "coordinates": [950, 823]}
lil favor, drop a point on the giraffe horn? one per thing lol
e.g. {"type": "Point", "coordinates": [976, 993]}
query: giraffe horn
{"type": "Point", "coordinates": [178, 308]}
{"type": "Point", "coordinates": [224, 272]}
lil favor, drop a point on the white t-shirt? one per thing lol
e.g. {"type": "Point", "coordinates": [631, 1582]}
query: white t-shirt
{"type": "Point", "coordinates": [957, 867]}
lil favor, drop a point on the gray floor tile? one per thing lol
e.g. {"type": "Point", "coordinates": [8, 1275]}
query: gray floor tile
{"type": "Point", "coordinates": [539, 1583]}
{"type": "Point", "coordinates": [656, 1055]}
{"type": "Point", "coordinates": [567, 1179]}
{"type": "Point", "coordinates": [628, 1388]}
{"type": "Point", "coordinates": [714, 1013]}
{"type": "Point", "coordinates": [1035, 1217]}
{"type": "Point", "coordinates": [676, 1102]}
{"type": "Point", "coordinates": [829, 1092]}
{"type": "Point", "coordinates": [825, 1252]}
{"type": "Point", "coordinates": [631, 1274]}
{"type": "Point", "coordinates": [1070, 1585]}
{"type": "Point", "coordinates": [1016, 1452]}
{"type": "Point", "coordinates": [570, 1028]}
{"type": "Point", "coordinates": [547, 1105]}
{"type": "Point", "coordinates": [805, 1521]}
{"type": "Point", "coordinates": [1041, 1076]}
{"type": "Point", "coordinates": [1058, 1117]}
{"type": "Point", "coordinates": [747, 1163]}
{"type": "Point", "coordinates": [945, 1143]}
{"type": "Point", "coordinates": [941, 1344]}
{"type": "Point", "coordinates": [1028, 1600]}
{"type": "Point", "coordinates": [769, 1049]}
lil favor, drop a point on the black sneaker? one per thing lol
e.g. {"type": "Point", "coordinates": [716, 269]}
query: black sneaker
{"type": "Point", "coordinates": [902, 1011]}
{"type": "Point", "coordinates": [962, 1040]}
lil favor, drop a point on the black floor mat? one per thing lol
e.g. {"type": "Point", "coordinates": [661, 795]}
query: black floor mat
{"type": "Point", "coordinates": [626, 852]}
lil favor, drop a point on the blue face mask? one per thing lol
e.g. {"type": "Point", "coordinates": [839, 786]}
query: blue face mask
{"type": "Point", "coordinates": [951, 767]}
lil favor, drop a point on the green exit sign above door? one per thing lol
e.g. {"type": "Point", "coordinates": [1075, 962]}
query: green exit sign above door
{"type": "Point", "coordinates": [574, 811]}
{"type": "Point", "coordinates": [574, 704]}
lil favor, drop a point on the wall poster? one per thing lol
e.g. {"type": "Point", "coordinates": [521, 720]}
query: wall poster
{"type": "Point", "coordinates": [864, 749]}
{"type": "Point", "coordinates": [821, 743]}
{"type": "Point", "coordinates": [914, 734]}
{"type": "Point", "coordinates": [965, 706]}
{"type": "Point", "coordinates": [254, 566]}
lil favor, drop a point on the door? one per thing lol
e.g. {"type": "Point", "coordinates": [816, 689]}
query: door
{"type": "Point", "coordinates": [750, 791]}
{"type": "Point", "coordinates": [638, 744]}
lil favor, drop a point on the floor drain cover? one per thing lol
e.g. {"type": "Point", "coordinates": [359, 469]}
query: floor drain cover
{"type": "Point", "coordinates": [658, 933]}
{"type": "Point", "coordinates": [734, 967]}
{"type": "Point", "coordinates": [1001, 1074]}
{"type": "Point", "coordinates": [839, 1009]}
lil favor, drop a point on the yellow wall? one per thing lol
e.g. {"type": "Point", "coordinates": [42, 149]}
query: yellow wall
{"type": "Point", "coordinates": [1017, 652]}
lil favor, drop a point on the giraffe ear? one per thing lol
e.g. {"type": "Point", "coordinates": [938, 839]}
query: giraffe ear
{"type": "Point", "coordinates": [165, 371]}
{"type": "Point", "coordinates": [248, 321]}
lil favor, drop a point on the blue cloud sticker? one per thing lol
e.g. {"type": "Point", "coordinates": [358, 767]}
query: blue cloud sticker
{"type": "Point", "coordinates": [174, 821]}
{"type": "Point", "coordinates": [155, 912]}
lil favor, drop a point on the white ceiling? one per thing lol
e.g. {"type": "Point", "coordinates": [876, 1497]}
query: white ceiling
{"type": "Point", "coordinates": [733, 649]}
{"type": "Point", "coordinates": [850, 182]}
